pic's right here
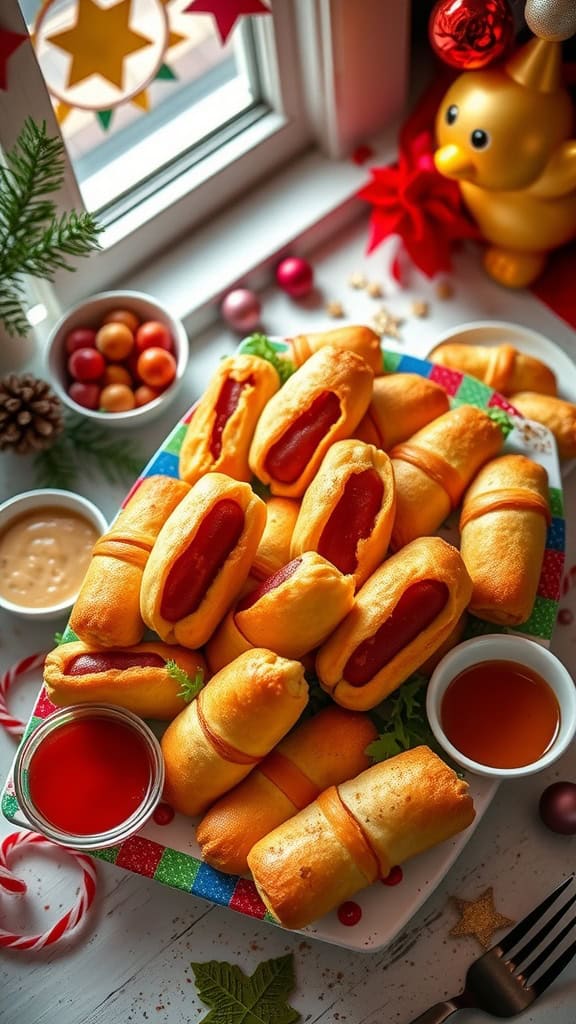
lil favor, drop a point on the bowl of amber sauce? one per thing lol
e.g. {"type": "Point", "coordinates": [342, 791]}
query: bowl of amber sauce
{"type": "Point", "coordinates": [46, 541]}
{"type": "Point", "coordinates": [502, 706]}
{"type": "Point", "coordinates": [89, 776]}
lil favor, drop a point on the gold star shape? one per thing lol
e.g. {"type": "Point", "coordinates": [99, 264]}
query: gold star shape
{"type": "Point", "coordinates": [335, 309]}
{"type": "Point", "coordinates": [99, 42]}
{"type": "Point", "coordinates": [444, 290]}
{"type": "Point", "coordinates": [420, 308]}
{"type": "Point", "coordinates": [480, 918]}
{"type": "Point", "coordinates": [357, 280]}
{"type": "Point", "coordinates": [374, 290]}
{"type": "Point", "coordinates": [387, 325]}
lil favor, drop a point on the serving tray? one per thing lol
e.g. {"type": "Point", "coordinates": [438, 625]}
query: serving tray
{"type": "Point", "coordinates": [166, 850]}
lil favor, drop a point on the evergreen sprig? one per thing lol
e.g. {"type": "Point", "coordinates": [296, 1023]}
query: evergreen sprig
{"type": "Point", "coordinates": [34, 238]}
{"type": "Point", "coordinates": [81, 446]}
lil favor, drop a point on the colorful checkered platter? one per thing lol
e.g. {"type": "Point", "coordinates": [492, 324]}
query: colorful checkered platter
{"type": "Point", "coordinates": [165, 849]}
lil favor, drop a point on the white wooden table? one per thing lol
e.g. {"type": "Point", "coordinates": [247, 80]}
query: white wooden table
{"type": "Point", "coordinates": [131, 960]}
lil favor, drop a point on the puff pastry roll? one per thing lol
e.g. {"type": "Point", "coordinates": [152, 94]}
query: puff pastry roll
{"type": "Point", "coordinates": [501, 367]}
{"type": "Point", "coordinates": [107, 610]}
{"type": "Point", "coordinates": [136, 678]}
{"type": "Point", "coordinates": [319, 404]}
{"type": "Point", "coordinates": [274, 547]}
{"type": "Point", "coordinates": [503, 525]}
{"type": "Point", "coordinates": [434, 467]}
{"type": "Point", "coordinates": [555, 413]}
{"type": "Point", "coordinates": [236, 720]}
{"type": "Point", "coordinates": [201, 559]}
{"type": "Point", "coordinates": [292, 612]}
{"type": "Point", "coordinates": [401, 404]}
{"type": "Point", "coordinates": [355, 338]}
{"type": "Point", "coordinates": [402, 614]}
{"type": "Point", "coordinates": [222, 426]}
{"type": "Point", "coordinates": [355, 833]}
{"type": "Point", "coordinates": [323, 751]}
{"type": "Point", "coordinates": [348, 510]}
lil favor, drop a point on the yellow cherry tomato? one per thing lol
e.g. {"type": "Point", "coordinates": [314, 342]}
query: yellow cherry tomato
{"type": "Point", "coordinates": [123, 316]}
{"type": "Point", "coordinates": [115, 374]}
{"type": "Point", "coordinates": [115, 341]}
{"type": "Point", "coordinates": [117, 398]}
{"type": "Point", "coordinates": [145, 394]}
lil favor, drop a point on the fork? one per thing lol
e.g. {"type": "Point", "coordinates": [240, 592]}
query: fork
{"type": "Point", "coordinates": [500, 984]}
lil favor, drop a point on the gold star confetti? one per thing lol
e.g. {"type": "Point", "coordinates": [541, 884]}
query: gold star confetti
{"type": "Point", "coordinates": [387, 325]}
{"type": "Point", "coordinates": [99, 42]}
{"type": "Point", "coordinates": [420, 308]}
{"type": "Point", "coordinates": [374, 290]}
{"type": "Point", "coordinates": [335, 309]}
{"type": "Point", "coordinates": [444, 290]}
{"type": "Point", "coordinates": [480, 918]}
{"type": "Point", "coordinates": [357, 280]}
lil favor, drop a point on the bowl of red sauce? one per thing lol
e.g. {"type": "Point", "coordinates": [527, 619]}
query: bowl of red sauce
{"type": "Point", "coordinates": [89, 776]}
{"type": "Point", "coordinates": [502, 706]}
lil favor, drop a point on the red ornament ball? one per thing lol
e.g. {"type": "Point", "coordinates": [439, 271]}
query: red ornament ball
{"type": "Point", "coordinates": [558, 808]}
{"type": "Point", "coordinates": [295, 276]}
{"type": "Point", "coordinates": [241, 309]}
{"type": "Point", "coordinates": [468, 34]}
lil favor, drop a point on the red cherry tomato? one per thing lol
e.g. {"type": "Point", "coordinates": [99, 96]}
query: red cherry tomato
{"type": "Point", "coordinates": [80, 337]}
{"type": "Point", "coordinates": [145, 394]}
{"type": "Point", "coordinates": [86, 395]}
{"type": "Point", "coordinates": [117, 398]}
{"type": "Point", "coordinates": [153, 334]}
{"type": "Point", "coordinates": [156, 367]}
{"type": "Point", "coordinates": [122, 316]}
{"type": "Point", "coordinates": [115, 341]}
{"type": "Point", "coordinates": [86, 364]}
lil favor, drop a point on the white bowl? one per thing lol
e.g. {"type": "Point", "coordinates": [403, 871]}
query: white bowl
{"type": "Point", "coordinates": [504, 647]}
{"type": "Point", "coordinates": [29, 501]}
{"type": "Point", "coordinates": [89, 313]}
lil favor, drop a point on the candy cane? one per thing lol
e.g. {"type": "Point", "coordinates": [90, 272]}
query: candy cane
{"type": "Point", "coordinates": [13, 725]}
{"type": "Point", "coordinates": [10, 884]}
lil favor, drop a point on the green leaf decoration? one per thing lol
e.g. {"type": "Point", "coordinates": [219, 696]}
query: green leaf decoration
{"type": "Point", "coordinates": [260, 345]}
{"type": "Point", "coordinates": [190, 686]}
{"type": "Point", "coordinates": [85, 445]}
{"type": "Point", "coordinates": [166, 74]}
{"type": "Point", "coordinates": [402, 722]}
{"type": "Point", "coordinates": [105, 118]}
{"type": "Point", "coordinates": [59, 639]}
{"type": "Point", "coordinates": [502, 419]}
{"type": "Point", "coordinates": [238, 999]}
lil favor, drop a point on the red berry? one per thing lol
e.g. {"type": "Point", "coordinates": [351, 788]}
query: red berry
{"type": "Point", "coordinates": [86, 364]}
{"type": "Point", "coordinates": [86, 395]}
{"type": "Point", "coordinates": [153, 334]}
{"type": "Point", "coordinates": [80, 337]}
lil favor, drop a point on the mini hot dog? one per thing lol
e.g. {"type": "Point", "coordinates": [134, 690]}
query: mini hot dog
{"type": "Point", "coordinates": [502, 367]}
{"type": "Point", "coordinates": [401, 615]}
{"type": "Point", "coordinates": [220, 432]}
{"type": "Point", "coordinates": [135, 678]}
{"type": "Point", "coordinates": [355, 338]}
{"type": "Point", "coordinates": [555, 413]}
{"type": "Point", "coordinates": [348, 510]}
{"type": "Point", "coordinates": [274, 547]}
{"type": "Point", "coordinates": [402, 403]}
{"type": "Point", "coordinates": [319, 404]}
{"type": "Point", "coordinates": [201, 559]}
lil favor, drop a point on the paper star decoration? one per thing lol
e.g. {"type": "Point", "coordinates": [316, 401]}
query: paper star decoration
{"type": "Point", "coordinates": [99, 42]}
{"type": "Point", "coordinates": [226, 12]}
{"type": "Point", "coordinates": [9, 41]}
{"type": "Point", "coordinates": [480, 918]}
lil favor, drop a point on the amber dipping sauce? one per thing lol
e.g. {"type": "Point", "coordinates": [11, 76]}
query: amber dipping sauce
{"type": "Point", "coordinates": [500, 714]}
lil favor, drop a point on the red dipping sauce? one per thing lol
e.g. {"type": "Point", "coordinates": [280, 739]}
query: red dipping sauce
{"type": "Point", "coordinates": [89, 776]}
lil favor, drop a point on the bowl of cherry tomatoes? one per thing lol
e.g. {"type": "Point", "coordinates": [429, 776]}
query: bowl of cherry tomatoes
{"type": "Point", "coordinates": [118, 357]}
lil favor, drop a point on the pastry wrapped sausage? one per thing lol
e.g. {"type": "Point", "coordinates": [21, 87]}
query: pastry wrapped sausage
{"type": "Point", "coordinates": [323, 751]}
{"type": "Point", "coordinates": [201, 560]}
{"type": "Point", "coordinates": [107, 610]}
{"type": "Point", "coordinates": [402, 614]}
{"type": "Point", "coordinates": [239, 716]}
{"type": "Point", "coordinates": [220, 432]}
{"type": "Point", "coordinates": [348, 510]}
{"type": "Point", "coordinates": [137, 678]}
{"type": "Point", "coordinates": [503, 525]}
{"type": "Point", "coordinates": [321, 403]}
{"type": "Point", "coordinates": [274, 547]}
{"type": "Point", "coordinates": [401, 404]}
{"type": "Point", "coordinates": [555, 413]}
{"type": "Point", "coordinates": [292, 612]}
{"type": "Point", "coordinates": [434, 467]}
{"type": "Point", "coordinates": [501, 367]}
{"type": "Point", "coordinates": [357, 832]}
{"type": "Point", "coordinates": [355, 338]}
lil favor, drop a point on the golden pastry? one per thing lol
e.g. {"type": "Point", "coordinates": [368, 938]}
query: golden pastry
{"type": "Point", "coordinates": [555, 413]}
{"type": "Point", "coordinates": [239, 716]}
{"type": "Point", "coordinates": [501, 367]}
{"type": "Point", "coordinates": [348, 510]}
{"type": "Point", "coordinates": [274, 547]}
{"type": "Point", "coordinates": [402, 403]}
{"type": "Point", "coordinates": [354, 338]}
{"type": "Point", "coordinates": [356, 832]}
{"type": "Point", "coordinates": [402, 614]}
{"type": "Point", "coordinates": [503, 525]}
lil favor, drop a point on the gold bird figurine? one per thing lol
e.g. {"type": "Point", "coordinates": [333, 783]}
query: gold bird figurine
{"type": "Point", "coordinates": [504, 134]}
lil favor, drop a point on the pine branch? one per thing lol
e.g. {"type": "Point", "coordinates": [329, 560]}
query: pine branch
{"type": "Point", "coordinates": [56, 466]}
{"type": "Point", "coordinates": [12, 308]}
{"type": "Point", "coordinates": [73, 234]}
{"type": "Point", "coordinates": [84, 443]}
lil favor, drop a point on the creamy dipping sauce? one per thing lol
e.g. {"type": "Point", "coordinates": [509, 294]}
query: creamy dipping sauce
{"type": "Point", "coordinates": [44, 556]}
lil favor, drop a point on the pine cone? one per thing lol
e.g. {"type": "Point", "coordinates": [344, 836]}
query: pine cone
{"type": "Point", "coordinates": [31, 415]}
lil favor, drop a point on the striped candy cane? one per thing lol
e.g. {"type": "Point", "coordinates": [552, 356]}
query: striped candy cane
{"type": "Point", "coordinates": [10, 884]}
{"type": "Point", "coordinates": [13, 725]}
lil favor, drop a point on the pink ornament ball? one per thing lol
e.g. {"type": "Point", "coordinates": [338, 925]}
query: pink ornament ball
{"type": "Point", "coordinates": [241, 309]}
{"type": "Point", "coordinates": [295, 276]}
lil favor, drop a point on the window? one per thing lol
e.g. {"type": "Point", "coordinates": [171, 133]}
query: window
{"type": "Point", "coordinates": [316, 74]}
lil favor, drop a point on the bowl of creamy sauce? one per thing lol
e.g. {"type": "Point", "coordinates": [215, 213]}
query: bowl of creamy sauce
{"type": "Point", "coordinates": [46, 541]}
